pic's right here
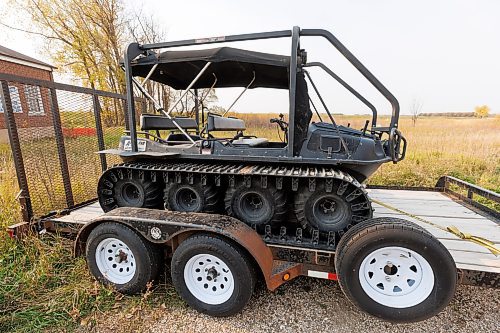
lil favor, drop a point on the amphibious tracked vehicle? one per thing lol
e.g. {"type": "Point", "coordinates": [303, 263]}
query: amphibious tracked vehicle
{"type": "Point", "coordinates": [311, 181]}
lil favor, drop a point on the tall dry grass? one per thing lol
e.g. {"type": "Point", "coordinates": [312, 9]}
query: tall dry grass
{"type": "Point", "coordinates": [41, 284]}
{"type": "Point", "coordinates": [467, 148]}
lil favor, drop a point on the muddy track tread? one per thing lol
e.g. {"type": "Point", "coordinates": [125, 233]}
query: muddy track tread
{"type": "Point", "coordinates": [227, 201]}
{"type": "Point", "coordinates": [211, 198]}
{"type": "Point", "coordinates": [280, 208]}
{"type": "Point", "coordinates": [151, 188]}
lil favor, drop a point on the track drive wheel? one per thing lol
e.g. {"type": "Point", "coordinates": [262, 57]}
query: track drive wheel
{"type": "Point", "coordinates": [395, 270]}
{"type": "Point", "coordinates": [256, 205]}
{"type": "Point", "coordinates": [116, 190]}
{"type": "Point", "coordinates": [334, 210]}
{"type": "Point", "coordinates": [191, 198]}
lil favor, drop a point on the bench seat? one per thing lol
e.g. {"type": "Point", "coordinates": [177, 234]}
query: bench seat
{"type": "Point", "coordinates": [155, 122]}
{"type": "Point", "coordinates": [219, 123]}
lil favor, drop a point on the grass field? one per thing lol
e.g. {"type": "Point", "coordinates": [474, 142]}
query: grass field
{"type": "Point", "coordinates": [43, 288]}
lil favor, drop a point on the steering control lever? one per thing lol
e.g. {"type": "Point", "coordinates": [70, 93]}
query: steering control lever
{"type": "Point", "coordinates": [282, 124]}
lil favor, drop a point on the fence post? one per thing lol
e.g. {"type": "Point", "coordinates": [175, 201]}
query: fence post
{"type": "Point", "coordinates": [24, 198]}
{"type": "Point", "coordinates": [98, 127]}
{"type": "Point", "coordinates": [61, 150]}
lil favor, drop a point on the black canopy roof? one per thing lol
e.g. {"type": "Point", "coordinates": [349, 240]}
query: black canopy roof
{"type": "Point", "coordinates": [232, 67]}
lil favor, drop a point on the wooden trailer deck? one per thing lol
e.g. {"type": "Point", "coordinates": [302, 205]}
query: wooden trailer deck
{"type": "Point", "coordinates": [433, 206]}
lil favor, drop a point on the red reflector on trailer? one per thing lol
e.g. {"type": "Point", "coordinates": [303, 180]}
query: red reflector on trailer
{"type": "Point", "coordinates": [332, 276]}
{"type": "Point", "coordinates": [322, 275]}
{"type": "Point", "coordinates": [11, 233]}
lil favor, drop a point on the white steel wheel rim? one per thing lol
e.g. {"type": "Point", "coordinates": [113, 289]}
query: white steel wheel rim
{"type": "Point", "coordinates": [209, 279]}
{"type": "Point", "coordinates": [396, 277]}
{"type": "Point", "coordinates": [115, 261]}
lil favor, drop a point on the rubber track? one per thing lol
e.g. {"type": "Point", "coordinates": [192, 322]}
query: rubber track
{"type": "Point", "coordinates": [240, 169]}
{"type": "Point", "coordinates": [164, 169]}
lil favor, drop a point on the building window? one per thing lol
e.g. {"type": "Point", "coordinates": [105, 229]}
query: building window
{"type": "Point", "coordinates": [34, 100]}
{"type": "Point", "coordinates": [16, 100]}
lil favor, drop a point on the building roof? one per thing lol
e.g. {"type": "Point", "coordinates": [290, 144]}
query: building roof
{"type": "Point", "coordinates": [24, 59]}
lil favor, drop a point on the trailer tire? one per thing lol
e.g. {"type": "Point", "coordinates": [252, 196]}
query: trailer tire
{"type": "Point", "coordinates": [395, 270]}
{"type": "Point", "coordinates": [202, 259]}
{"type": "Point", "coordinates": [118, 256]}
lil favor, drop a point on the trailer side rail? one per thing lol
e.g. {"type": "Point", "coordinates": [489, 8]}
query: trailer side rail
{"type": "Point", "coordinates": [453, 186]}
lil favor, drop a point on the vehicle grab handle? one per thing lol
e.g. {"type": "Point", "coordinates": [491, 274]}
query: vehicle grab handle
{"type": "Point", "coordinates": [397, 145]}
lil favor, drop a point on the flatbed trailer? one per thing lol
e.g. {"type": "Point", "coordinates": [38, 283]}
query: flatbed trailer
{"type": "Point", "coordinates": [284, 255]}
{"type": "Point", "coordinates": [439, 205]}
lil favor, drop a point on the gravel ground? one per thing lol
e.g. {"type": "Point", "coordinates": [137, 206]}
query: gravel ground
{"type": "Point", "coordinates": [309, 305]}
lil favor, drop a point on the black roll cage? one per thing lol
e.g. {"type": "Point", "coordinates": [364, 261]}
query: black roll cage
{"type": "Point", "coordinates": [134, 50]}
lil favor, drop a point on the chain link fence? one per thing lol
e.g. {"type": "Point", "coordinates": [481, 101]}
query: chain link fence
{"type": "Point", "coordinates": [55, 131]}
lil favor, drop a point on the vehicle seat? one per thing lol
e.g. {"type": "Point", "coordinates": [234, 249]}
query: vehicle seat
{"type": "Point", "coordinates": [155, 122]}
{"type": "Point", "coordinates": [218, 123]}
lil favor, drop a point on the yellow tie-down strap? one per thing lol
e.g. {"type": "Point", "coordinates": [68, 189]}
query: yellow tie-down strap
{"type": "Point", "coordinates": [451, 229]}
{"type": "Point", "coordinates": [475, 239]}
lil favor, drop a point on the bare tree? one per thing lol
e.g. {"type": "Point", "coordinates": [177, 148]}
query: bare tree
{"type": "Point", "coordinates": [415, 109]}
{"type": "Point", "coordinates": [145, 29]}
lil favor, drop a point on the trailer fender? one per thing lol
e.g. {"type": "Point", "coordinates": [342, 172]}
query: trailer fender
{"type": "Point", "coordinates": [161, 227]}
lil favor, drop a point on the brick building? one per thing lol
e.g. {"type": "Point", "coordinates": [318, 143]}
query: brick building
{"type": "Point", "coordinates": [31, 104]}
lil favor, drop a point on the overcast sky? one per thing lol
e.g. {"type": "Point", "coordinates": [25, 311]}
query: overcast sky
{"type": "Point", "coordinates": [443, 53]}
